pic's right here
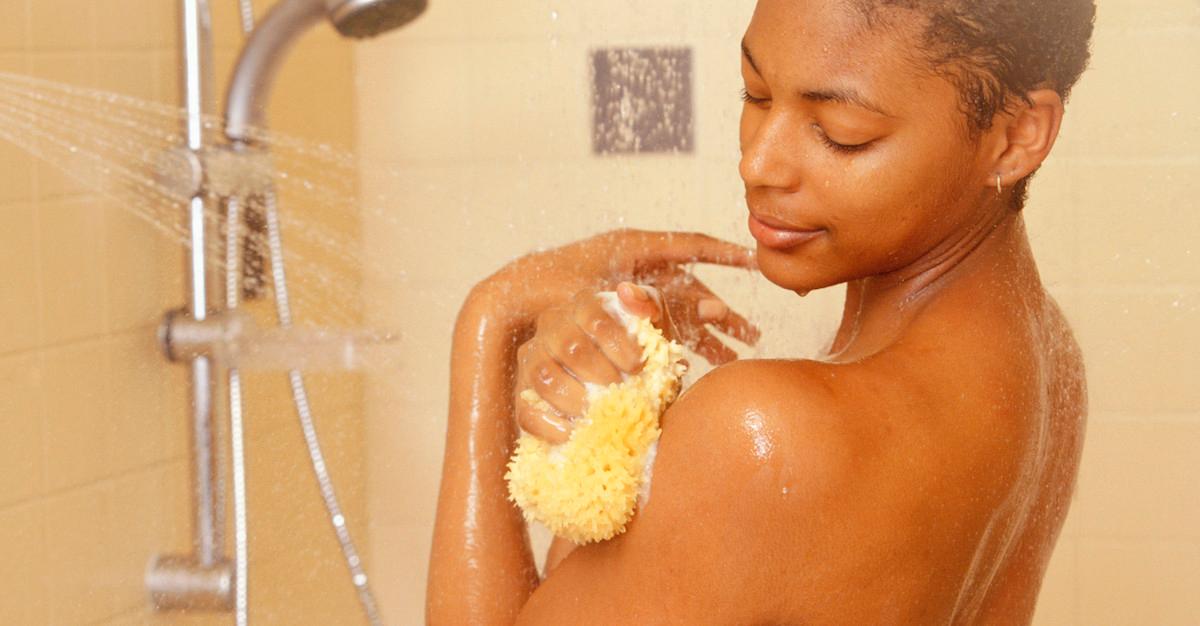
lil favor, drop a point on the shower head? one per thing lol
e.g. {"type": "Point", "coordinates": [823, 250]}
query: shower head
{"type": "Point", "coordinates": [367, 18]}
{"type": "Point", "coordinates": [283, 24]}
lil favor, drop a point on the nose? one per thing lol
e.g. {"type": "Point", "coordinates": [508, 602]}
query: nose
{"type": "Point", "coordinates": [770, 152]}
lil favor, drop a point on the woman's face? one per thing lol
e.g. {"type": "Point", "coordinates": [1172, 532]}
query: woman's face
{"type": "Point", "coordinates": [856, 159]}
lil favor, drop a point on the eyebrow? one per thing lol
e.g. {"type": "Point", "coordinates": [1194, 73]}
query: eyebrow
{"type": "Point", "coordinates": [843, 96]}
{"type": "Point", "coordinates": [839, 96]}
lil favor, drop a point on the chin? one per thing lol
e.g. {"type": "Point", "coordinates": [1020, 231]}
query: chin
{"type": "Point", "coordinates": [800, 275]}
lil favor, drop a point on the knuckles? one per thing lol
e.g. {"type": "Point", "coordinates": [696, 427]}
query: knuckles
{"type": "Point", "coordinates": [545, 375]}
{"type": "Point", "coordinates": [579, 337]}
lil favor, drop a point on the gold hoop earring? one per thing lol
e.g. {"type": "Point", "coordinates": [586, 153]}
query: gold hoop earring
{"type": "Point", "coordinates": [999, 187]}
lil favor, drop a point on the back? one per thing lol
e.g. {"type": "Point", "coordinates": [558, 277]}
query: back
{"type": "Point", "coordinates": [993, 386]}
{"type": "Point", "coordinates": [996, 393]}
{"type": "Point", "coordinates": [1005, 592]}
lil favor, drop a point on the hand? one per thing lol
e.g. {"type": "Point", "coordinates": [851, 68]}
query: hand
{"type": "Point", "coordinates": [524, 288]}
{"type": "Point", "coordinates": [581, 342]}
{"type": "Point", "coordinates": [689, 308]}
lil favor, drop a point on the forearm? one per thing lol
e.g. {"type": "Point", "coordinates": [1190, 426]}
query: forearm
{"type": "Point", "coordinates": [481, 567]}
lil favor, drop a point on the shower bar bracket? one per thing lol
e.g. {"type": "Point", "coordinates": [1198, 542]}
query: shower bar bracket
{"type": "Point", "coordinates": [223, 171]}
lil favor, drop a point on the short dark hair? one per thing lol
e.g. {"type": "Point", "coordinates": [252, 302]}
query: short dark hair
{"type": "Point", "coordinates": [997, 50]}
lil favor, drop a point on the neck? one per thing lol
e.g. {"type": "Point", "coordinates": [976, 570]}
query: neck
{"type": "Point", "coordinates": [879, 308]}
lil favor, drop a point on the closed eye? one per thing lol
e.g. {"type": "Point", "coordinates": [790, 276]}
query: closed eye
{"type": "Point", "coordinates": [749, 99]}
{"type": "Point", "coordinates": [840, 147]}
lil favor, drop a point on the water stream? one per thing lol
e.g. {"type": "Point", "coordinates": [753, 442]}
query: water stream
{"type": "Point", "coordinates": [115, 145]}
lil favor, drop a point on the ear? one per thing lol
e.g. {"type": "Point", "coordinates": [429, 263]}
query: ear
{"type": "Point", "coordinates": [1030, 133]}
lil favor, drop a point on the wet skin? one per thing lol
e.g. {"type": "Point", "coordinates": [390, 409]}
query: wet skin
{"type": "Point", "coordinates": [918, 474]}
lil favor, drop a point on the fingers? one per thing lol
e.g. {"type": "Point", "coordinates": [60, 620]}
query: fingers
{"type": "Point", "coordinates": [641, 301]}
{"type": "Point", "coordinates": [566, 342]}
{"type": "Point", "coordinates": [582, 342]}
{"type": "Point", "coordinates": [607, 333]}
{"type": "Point", "coordinates": [711, 310]}
{"type": "Point", "coordinates": [714, 311]}
{"type": "Point", "coordinates": [547, 377]}
{"type": "Point", "coordinates": [648, 302]}
{"type": "Point", "coordinates": [538, 420]}
{"type": "Point", "coordinates": [699, 248]}
{"type": "Point", "coordinates": [712, 350]}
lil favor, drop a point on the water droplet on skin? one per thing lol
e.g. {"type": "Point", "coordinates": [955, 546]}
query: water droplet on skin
{"type": "Point", "coordinates": [553, 16]}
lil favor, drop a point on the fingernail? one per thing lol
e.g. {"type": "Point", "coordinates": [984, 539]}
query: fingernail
{"type": "Point", "coordinates": [710, 309]}
{"type": "Point", "coordinates": [639, 293]}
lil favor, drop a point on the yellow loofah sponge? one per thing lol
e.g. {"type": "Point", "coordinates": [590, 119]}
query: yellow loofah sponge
{"type": "Point", "coordinates": [587, 488]}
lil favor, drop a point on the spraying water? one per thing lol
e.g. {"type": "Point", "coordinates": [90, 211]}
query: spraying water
{"type": "Point", "coordinates": [125, 148]}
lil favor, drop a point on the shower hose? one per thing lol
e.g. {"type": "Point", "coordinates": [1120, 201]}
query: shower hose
{"type": "Point", "coordinates": [299, 396]}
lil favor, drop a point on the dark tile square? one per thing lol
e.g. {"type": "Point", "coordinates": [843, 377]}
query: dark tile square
{"type": "Point", "coordinates": [642, 100]}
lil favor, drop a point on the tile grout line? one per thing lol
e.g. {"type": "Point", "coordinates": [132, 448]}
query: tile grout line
{"type": "Point", "coordinates": [39, 350]}
{"type": "Point", "coordinates": [81, 341]}
{"type": "Point", "coordinates": [44, 495]}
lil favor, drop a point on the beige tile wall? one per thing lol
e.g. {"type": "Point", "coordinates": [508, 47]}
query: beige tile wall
{"type": "Point", "coordinates": [475, 120]}
{"type": "Point", "coordinates": [474, 127]}
{"type": "Point", "coordinates": [94, 470]}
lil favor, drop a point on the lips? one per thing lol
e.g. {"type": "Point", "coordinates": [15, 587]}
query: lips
{"type": "Point", "coordinates": [777, 235]}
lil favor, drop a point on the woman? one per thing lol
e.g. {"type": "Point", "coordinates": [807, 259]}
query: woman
{"type": "Point", "coordinates": [919, 473]}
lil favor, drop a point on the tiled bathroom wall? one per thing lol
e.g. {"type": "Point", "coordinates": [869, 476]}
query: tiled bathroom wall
{"type": "Point", "coordinates": [94, 448]}
{"type": "Point", "coordinates": [475, 128]}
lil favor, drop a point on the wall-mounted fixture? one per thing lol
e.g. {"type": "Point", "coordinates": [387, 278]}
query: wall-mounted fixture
{"type": "Point", "coordinates": [214, 340]}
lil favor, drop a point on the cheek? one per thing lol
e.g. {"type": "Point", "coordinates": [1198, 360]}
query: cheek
{"type": "Point", "coordinates": [861, 197]}
{"type": "Point", "coordinates": [888, 209]}
{"type": "Point", "coordinates": [898, 193]}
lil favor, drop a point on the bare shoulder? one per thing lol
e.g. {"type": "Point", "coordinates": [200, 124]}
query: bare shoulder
{"type": "Point", "coordinates": [839, 493]}
{"type": "Point", "coordinates": [795, 492]}
{"type": "Point", "coordinates": [777, 431]}
{"type": "Point", "coordinates": [798, 421]}
{"type": "Point", "coordinates": [771, 497]}
{"type": "Point", "coordinates": [800, 439]}
{"type": "Point", "coordinates": [714, 543]}
{"type": "Point", "coordinates": [814, 423]}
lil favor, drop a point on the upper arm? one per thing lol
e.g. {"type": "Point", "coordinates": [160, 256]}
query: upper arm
{"type": "Point", "coordinates": [726, 537]}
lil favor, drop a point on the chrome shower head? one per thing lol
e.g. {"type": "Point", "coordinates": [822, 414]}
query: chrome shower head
{"type": "Point", "coordinates": [284, 23]}
{"type": "Point", "coordinates": [367, 18]}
